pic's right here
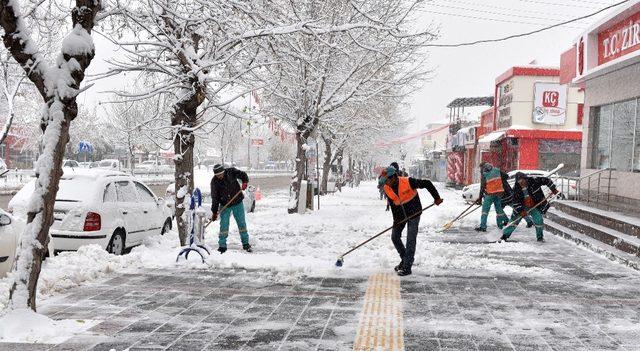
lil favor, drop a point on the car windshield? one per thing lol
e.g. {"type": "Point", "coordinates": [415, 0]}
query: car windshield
{"type": "Point", "coordinates": [105, 164]}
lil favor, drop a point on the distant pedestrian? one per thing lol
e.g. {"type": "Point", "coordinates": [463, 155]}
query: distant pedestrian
{"type": "Point", "coordinates": [405, 202]}
{"type": "Point", "coordinates": [529, 199]}
{"type": "Point", "coordinates": [493, 186]}
{"type": "Point", "coordinates": [226, 191]}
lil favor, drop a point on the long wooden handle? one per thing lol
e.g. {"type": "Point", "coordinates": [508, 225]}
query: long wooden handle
{"type": "Point", "coordinates": [388, 229]}
{"type": "Point", "coordinates": [225, 206]}
{"type": "Point", "coordinates": [529, 211]}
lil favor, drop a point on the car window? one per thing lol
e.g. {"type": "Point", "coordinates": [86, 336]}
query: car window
{"type": "Point", "coordinates": [144, 194]}
{"type": "Point", "coordinates": [109, 193]}
{"type": "Point", "coordinates": [126, 192]}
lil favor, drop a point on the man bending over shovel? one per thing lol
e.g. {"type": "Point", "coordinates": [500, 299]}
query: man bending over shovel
{"type": "Point", "coordinates": [405, 203]}
{"type": "Point", "coordinates": [529, 200]}
{"type": "Point", "coordinates": [227, 193]}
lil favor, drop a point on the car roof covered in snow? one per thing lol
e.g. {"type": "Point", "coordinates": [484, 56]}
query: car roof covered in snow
{"type": "Point", "coordinates": [95, 173]}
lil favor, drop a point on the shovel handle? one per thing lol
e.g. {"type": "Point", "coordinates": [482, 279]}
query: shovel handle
{"type": "Point", "coordinates": [225, 206]}
{"type": "Point", "coordinates": [510, 224]}
{"type": "Point", "coordinates": [386, 230]}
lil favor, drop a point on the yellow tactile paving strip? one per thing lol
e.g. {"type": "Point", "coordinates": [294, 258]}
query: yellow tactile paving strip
{"type": "Point", "coordinates": [380, 327]}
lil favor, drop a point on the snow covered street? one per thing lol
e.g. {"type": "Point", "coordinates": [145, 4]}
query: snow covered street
{"type": "Point", "coordinates": [466, 292]}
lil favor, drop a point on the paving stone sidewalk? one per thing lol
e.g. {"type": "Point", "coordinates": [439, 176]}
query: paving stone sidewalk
{"type": "Point", "coordinates": [589, 303]}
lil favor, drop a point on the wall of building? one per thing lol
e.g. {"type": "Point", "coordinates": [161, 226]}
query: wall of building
{"type": "Point", "coordinates": [616, 86]}
{"type": "Point", "coordinates": [522, 105]}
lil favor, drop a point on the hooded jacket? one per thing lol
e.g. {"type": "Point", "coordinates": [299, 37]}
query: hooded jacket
{"type": "Point", "coordinates": [534, 189]}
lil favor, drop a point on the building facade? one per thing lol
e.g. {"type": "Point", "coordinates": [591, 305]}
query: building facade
{"type": "Point", "coordinates": [605, 61]}
{"type": "Point", "coordinates": [536, 122]}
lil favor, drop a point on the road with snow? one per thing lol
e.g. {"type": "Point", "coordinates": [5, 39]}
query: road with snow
{"type": "Point", "coordinates": [466, 292]}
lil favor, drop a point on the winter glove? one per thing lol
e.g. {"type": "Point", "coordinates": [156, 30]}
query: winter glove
{"type": "Point", "coordinates": [438, 201]}
{"type": "Point", "coordinates": [555, 191]}
{"type": "Point", "coordinates": [244, 186]}
{"type": "Point", "coordinates": [479, 202]}
{"type": "Point", "coordinates": [523, 214]}
{"type": "Point", "coordinates": [214, 216]}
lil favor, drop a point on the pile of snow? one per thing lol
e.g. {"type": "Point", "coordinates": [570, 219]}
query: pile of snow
{"type": "Point", "coordinates": [26, 326]}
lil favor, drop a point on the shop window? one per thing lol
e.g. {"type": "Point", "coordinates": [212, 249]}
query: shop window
{"type": "Point", "coordinates": [624, 122]}
{"type": "Point", "coordinates": [551, 153]}
{"type": "Point", "coordinates": [600, 120]}
{"type": "Point", "coordinates": [636, 162]}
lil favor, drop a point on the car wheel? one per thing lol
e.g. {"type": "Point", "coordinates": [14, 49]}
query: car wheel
{"type": "Point", "coordinates": [117, 244]}
{"type": "Point", "coordinates": [166, 227]}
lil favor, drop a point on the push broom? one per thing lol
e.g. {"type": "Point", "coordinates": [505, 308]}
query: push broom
{"type": "Point", "coordinates": [340, 260]}
{"type": "Point", "coordinates": [464, 213]}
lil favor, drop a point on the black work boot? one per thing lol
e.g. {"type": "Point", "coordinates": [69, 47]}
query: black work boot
{"type": "Point", "coordinates": [398, 267]}
{"type": "Point", "coordinates": [404, 271]}
{"type": "Point", "coordinates": [222, 249]}
{"type": "Point", "coordinates": [247, 248]}
{"type": "Point", "coordinates": [503, 238]}
{"type": "Point", "coordinates": [541, 239]}
{"type": "Point", "coordinates": [480, 229]}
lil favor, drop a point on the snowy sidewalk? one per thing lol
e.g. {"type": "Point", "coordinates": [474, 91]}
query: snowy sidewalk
{"type": "Point", "coordinates": [466, 293]}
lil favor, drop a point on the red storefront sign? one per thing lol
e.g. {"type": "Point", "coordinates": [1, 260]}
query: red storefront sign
{"type": "Point", "coordinates": [621, 39]}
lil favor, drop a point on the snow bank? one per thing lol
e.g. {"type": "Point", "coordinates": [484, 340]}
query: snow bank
{"type": "Point", "coordinates": [26, 326]}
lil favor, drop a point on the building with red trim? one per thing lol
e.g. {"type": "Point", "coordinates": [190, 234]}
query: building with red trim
{"type": "Point", "coordinates": [605, 62]}
{"type": "Point", "coordinates": [535, 122]}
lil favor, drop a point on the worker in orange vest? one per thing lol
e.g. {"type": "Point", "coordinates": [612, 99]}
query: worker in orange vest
{"type": "Point", "coordinates": [493, 186]}
{"type": "Point", "coordinates": [404, 201]}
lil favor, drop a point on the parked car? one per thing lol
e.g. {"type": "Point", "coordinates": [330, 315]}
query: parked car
{"type": "Point", "coordinates": [249, 200]}
{"type": "Point", "coordinates": [108, 208]}
{"type": "Point", "coordinates": [3, 166]}
{"type": "Point", "coordinates": [153, 166]}
{"type": "Point", "coordinates": [10, 230]}
{"type": "Point", "coordinates": [70, 163]}
{"type": "Point", "coordinates": [471, 193]}
{"type": "Point", "coordinates": [111, 164]}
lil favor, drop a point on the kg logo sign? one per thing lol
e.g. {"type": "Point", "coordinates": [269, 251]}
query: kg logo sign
{"type": "Point", "coordinates": [550, 99]}
{"type": "Point", "coordinates": [550, 103]}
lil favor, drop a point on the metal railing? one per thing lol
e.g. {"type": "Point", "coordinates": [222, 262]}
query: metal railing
{"type": "Point", "coordinates": [595, 187]}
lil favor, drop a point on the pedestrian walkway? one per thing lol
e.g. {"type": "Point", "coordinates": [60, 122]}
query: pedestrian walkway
{"type": "Point", "coordinates": [466, 293]}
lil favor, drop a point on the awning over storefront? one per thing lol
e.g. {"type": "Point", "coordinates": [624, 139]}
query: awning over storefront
{"type": "Point", "coordinates": [493, 136]}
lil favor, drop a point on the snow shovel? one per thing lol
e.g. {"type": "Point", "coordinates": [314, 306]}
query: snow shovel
{"type": "Point", "coordinates": [531, 209]}
{"type": "Point", "coordinates": [225, 206]}
{"type": "Point", "coordinates": [341, 258]}
{"type": "Point", "coordinates": [464, 213]}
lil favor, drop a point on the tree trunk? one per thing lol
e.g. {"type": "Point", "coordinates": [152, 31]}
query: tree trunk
{"type": "Point", "coordinates": [301, 161]}
{"type": "Point", "coordinates": [184, 116]}
{"type": "Point", "coordinates": [326, 166]}
{"type": "Point", "coordinates": [40, 218]}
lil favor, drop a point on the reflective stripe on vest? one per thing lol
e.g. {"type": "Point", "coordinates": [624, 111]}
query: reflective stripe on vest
{"type": "Point", "coordinates": [494, 182]}
{"type": "Point", "coordinates": [405, 192]}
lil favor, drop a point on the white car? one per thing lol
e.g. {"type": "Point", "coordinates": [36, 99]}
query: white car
{"type": "Point", "coordinates": [108, 208]}
{"type": "Point", "coordinates": [471, 193]}
{"type": "Point", "coordinates": [10, 230]}
{"type": "Point", "coordinates": [249, 200]}
{"type": "Point", "coordinates": [70, 164]}
{"type": "Point", "coordinates": [153, 166]}
{"type": "Point", "coordinates": [108, 164]}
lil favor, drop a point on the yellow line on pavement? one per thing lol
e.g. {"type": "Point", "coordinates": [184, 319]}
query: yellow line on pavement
{"type": "Point", "coordinates": [380, 327]}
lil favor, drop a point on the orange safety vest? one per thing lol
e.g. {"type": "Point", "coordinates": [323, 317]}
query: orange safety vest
{"type": "Point", "coordinates": [405, 192]}
{"type": "Point", "coordinates": [494, 182]}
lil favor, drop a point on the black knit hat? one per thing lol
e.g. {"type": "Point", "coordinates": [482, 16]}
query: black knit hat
{"type": "Point", "coordinates": [218, 169]}
{"type": "Point", "coordinates": [520, 175]}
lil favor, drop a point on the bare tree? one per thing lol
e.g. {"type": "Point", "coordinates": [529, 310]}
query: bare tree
{"type": "Point", "coordinates": [317, 76]}
{"type": "Point", "coordinates": [59, 85]}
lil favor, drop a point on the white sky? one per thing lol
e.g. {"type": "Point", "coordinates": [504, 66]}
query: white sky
{"type": "Point", "coordinates": [471, 71]}
{"type": "Point", "coordinates": [458, 72]}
